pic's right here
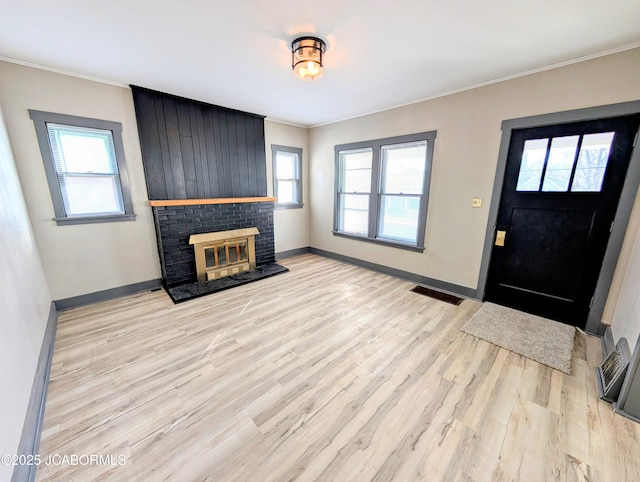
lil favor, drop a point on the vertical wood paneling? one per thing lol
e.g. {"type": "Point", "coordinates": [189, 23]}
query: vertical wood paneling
{"type": "Point", "coordinates": [251, 156]}
{"type": "Point", "coordinates": [225, 162]}
{"type": "Point", "coordinates": [216, 165]}
{"type": "Point", "coordinates": [204, 163]}
{"type": "Point", "coordinates": [175, 150]}
{"type": "Point", "coordinates": [164, 149]}
{"type": "Point", "coordinates": [234, 166]}
{"type": "Point", "coordinates": [148, 128]}
{"type": "Point", "coordinates": [243, 163]}
{"type": "Point", "coordinates": [260, 165]}
{"type": "Point", "coordinates": [197, 159]}
{"type": "Point", "coordinates": [193, 150]}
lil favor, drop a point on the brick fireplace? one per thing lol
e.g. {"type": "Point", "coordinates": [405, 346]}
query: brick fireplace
{"type": "Point", "coordinates": [178, 220]}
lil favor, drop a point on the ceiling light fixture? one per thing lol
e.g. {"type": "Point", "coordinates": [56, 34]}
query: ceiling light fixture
{"type": "Point", "coordinates": [306, 57]}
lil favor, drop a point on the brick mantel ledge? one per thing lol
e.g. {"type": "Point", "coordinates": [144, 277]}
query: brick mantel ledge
{"type": "Point", "coordinates": [225, 200]}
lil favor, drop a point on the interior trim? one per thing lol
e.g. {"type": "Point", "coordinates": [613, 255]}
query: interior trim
{"type": "Point", "coordinates": [32, 428]}
{"type": "Point", "coordinates": [293, 252]}
{"type": "Point", "coordinates": [104, 295]}
{"type": "Point", "coordinates": [225, 200]}
{"type": "Point", "coordinates": [445, 286]}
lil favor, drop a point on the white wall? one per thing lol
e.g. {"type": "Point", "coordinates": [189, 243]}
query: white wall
{"type": "Point", "coordinates": [85, 258]}
{"type": "Point", "coordinates": [24, 304]}
{"type": "Point", "coordinates": [626, 317]}
{"type": "Point", "coordinates": [465, 159]}
{"type": "Point", "coordinates": [291, 226]}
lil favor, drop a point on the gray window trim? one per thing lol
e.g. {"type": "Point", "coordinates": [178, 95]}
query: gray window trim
{"type": "Point", "coordinates": [275, 148]}
{"type": "Point", "coordinates": [374, 201]}
{"type": "Point", "coordinates": [40, 120]}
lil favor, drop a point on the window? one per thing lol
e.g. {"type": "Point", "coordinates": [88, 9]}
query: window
{"type": "Point", "coordinates": [382, 190]}
{"type": "Point", "coordinates": [554, 164]}
{"type": "Point", "coordinates": [85, 167]}
{"type": "Point", "coordinates": [287, 176]}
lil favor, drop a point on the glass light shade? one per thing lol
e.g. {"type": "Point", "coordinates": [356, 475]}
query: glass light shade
{"type": "Point", "coordinates": [306, 57]}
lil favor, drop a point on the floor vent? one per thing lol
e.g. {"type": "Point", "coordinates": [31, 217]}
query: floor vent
{"type": "Point", "coordinates": [438, 295]}
{"type": "Point", "coordinates": [610, 374]}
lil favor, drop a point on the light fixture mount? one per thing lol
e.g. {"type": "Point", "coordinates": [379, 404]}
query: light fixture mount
{"type": "Point", "coordinates": [306, 57]}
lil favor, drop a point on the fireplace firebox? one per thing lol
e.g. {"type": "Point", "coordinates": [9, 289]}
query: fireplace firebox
{"type": "Point", "coordinates": [224, 253]}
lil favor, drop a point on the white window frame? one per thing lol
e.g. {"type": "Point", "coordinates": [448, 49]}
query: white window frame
{"type": "Point", "coordinates": [376, 189]}
{"type": "Point", "coordinates": [40, 120]}
{"type": "Point", "coordinates": [298, 201]}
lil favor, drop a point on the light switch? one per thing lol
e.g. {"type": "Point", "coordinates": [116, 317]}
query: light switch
{"type": "Point", "coordinates": [476, 202]}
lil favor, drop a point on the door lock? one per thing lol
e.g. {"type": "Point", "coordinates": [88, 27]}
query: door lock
{"type": "Point", "coordinates": [500, 235]}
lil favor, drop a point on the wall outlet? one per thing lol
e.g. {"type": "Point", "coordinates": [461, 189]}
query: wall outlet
{"type": "Point", "coordinates": [476, 202]}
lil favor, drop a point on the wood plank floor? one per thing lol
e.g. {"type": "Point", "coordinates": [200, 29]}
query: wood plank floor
{"type": "Point", "coordinates": [329, 372]}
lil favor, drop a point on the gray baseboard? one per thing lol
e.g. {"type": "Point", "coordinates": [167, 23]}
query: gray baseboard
{"type": "Point", "coordinates": [109, 294]}
{"type": "Point", "coordinates": [439, 285]}
{"type": "Point", "coordinates": [293, 252]}
{"type": "Point", "coordinates": [32, 428]}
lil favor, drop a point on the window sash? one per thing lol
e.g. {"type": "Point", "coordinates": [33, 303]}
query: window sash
{"type": "Point", "coordinates": [406, 219]}
{"type": "Point", "coordinates": [93, 196]}
{"type": "Point", "coordinates": [289, 179]}
{"type": "Point", "coordinates": [395, 216]}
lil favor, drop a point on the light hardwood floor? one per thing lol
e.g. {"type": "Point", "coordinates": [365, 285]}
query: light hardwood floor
{"type": "Point", "coordinates": [329, 372]}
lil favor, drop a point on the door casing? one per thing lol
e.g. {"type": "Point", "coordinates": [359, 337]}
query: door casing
{"type": "Point", "coordinates": [623, 213]}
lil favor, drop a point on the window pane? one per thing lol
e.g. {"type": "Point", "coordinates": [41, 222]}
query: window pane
{"type": "Point", "coordinates": [356, 170]}
{"type": "Point", "coordinates": [403, 168]}
{"type": "Point", "coordinates": [560, 163]}
{"type": "Point", "coordinates": [286, 165]}
{"type": "Point", "coordinates": [531, 164]}
{"type": "Point", "coordinates": [592, 162]}
{"type": "Point", "coordinates": [91, 195]}
{"type": "Point", "coordinates": [286, 192]}
{"type": "Point", "coordinates": [83, 150]}
{"type": "Point", "coordinates": [354, 213]}
{"type": "Point", "coordinates": [399, 218]}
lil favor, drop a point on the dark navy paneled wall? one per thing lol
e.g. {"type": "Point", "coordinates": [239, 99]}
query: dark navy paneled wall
{"type": "Point", "coordinates": [194, 150]}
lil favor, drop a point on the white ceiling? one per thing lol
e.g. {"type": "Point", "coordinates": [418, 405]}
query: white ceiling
{"type": "Point", "coordinates": [381, 53]}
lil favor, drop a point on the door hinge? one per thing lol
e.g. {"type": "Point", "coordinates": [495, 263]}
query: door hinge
{"type": "Point", "coordinates": [611, 227]}
{"type": "Point", "coordinates": [591, 302]}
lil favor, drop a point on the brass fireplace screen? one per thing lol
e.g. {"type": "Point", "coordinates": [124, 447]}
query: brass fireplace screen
{"type": "Point", "coordinates": [224, 253]}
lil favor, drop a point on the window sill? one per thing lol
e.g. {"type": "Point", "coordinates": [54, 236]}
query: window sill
{"type": "Point", "coordinates": [95, 219]}
{"type": "Point", "coordinates": [288, 206]}
{"type": "Point", "coordinates": [383, 242]}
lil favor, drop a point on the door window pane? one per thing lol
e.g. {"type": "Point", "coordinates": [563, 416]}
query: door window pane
{"type": "Point", "coordinates": [532, 164]}
{"type": "Point", "coordinates": [560, 164]}
{"type": "Point", "coordinates": [399, 218]}
{"type": "Point", "coordinates": [592, 162]}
